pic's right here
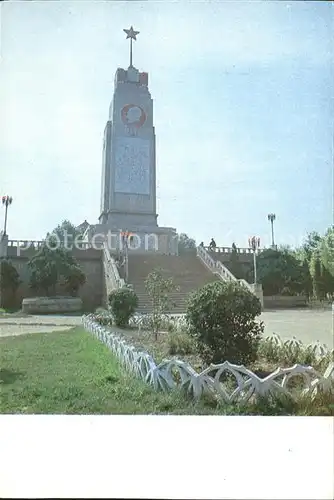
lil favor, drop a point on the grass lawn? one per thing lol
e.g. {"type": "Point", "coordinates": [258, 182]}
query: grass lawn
{"type": "Point", "coordinates": [73, 373]}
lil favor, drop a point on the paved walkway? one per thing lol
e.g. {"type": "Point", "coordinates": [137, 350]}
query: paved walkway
{"type": "Point", "coordinates": [11, 325]}
{"type": "Point", "coordinates": [307, 325]}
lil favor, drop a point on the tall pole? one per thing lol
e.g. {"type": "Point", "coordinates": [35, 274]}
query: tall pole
{"type": "Point", "coordinates": [6, 201]}
{"type": "Point", "coordinates": [255, 269]}
{"type": "Point", "coordinates": [126, 259]}
{"type": "Point", "coordinates": [5, 225]}
{"type": "Point", "coordinates": [272, 218]}
{"type": "Point", "coordinates": [124, 250]}
{"type": "Point", "coordinates": [132, 34]}
{"type": "Point", "coordinates": [254, 244]}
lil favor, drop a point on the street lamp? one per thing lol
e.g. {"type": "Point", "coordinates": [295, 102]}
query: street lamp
{"type": "Point", "coordinates": [124, 248]}
{"type": "Point", "coordinates": [272, 218]}
{"type": "Point", "coordinates": [6, 200]}
{"type": "Point", "coordinates": [254, 244]}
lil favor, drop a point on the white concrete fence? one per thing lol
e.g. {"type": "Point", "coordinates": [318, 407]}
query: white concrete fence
{"type": "Point", "coordinates": [176, 374]}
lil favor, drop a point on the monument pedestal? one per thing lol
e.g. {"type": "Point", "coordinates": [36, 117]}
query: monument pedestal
{"type": "Point", "coordinates": [162, 240]}
{"type": "Point", "coordinates": [3, 245]}
{"type": "Point", "coordinates": [258, 292]}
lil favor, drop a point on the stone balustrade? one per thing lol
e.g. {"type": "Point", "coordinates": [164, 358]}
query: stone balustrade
{"type": "Point", "coordinates": [229, 250]}
{"type": "Point", "coordinates": [25, 244]}
{"type": "Point", "coordinates": [112, 277]}
{"type": "Point", "coordinates": [224, 272]}
{"type": "Point", "coordinates": [206, 258]}
{"type": "Point", "coordinates": [218, 267]}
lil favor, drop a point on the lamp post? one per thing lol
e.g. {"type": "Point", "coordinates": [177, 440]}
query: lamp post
{"type": "Point", "coordinates": [6, 201]}
{"type": "Point", "coordinates": [272, 218]}
{"type": "Point", "coordinates": [254, 244]}
{"type": "Point", "coordinates": [124, 247]}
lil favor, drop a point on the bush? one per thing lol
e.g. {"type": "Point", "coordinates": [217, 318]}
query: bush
{"type": "Point", "coordinates": [292, 351]}
{"type": "Point", "coordinates": [103, 317]}
{"type": "Point", "coordinates": [180, 343]}
{"type": "Point", "coordinates": [221, 318]}
{"type": "Point", "coordinates": [123, 304]}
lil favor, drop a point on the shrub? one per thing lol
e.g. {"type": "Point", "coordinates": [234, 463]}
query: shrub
{"type": "Point", "coordinates": [221, 318]}
{"type": "Point", "coordinates": [180, 343]}
{"type": "Point", "coordinates": [103, 317]}
{"type": "Point", "coordinates": [292, 351]}
{"type": "Point", "coordinates": [123, 304]}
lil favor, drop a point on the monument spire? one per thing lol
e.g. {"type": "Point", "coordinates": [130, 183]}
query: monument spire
{"type": "Point", "coordinates": [131, 33]}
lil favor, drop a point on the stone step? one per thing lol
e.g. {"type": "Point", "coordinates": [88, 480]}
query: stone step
{"type": "Point", "coordinates": [188, 273]}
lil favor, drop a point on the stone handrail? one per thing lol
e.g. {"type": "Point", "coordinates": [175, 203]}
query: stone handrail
{"type": "Point", "coordinates": [218, 267]}
{"type": "Point", "coordinates": [224, 272]}
{"type": "Point", "coordinates": [113, 279]}
{"type": "Point", "coordinates": [247, 385]}
{"type": "Point", "coordinates": [229, 249]}
{"type": "Point", "coordinates": [247, 285]}
{"type": "Point", "coordinates": [26, 243]}
{"type": "Point", "coordinates": [203, 254]}
{"type": "Point", "coordinates": [82, 245]}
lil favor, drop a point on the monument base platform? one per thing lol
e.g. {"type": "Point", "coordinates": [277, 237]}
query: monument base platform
{"type": "Point", "coordinates": [140, 239]}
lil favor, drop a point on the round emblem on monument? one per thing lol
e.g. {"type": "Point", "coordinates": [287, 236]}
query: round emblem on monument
{"type": "Point", "coordinates": [133, 115]}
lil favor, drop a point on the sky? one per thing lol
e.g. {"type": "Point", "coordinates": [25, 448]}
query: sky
{"type": "Point", "coordinates": [243, 113]}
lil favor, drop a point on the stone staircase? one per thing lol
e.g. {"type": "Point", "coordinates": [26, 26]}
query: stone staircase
{"type": "Point", "coordinates": [188, 273]}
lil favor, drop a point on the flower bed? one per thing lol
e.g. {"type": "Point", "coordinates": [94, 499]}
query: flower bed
{"type": "Point", "coordinates": [225, 382]}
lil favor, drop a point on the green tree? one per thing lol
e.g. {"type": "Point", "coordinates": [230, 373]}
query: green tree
{"type": "Point", "coordinates": [318, 252]}
{"type": "Point", "coordinates": [185, 243]}
{"type": "Point", "coordinates": [327, 251]}
{"type": "Point", "coordinates": [74, 278]}
{"type": "Point", "coordinates": [222, 321]}
{"type": "Point", "coordinates": [66, 234]}
{"type": "Point", "coordinates": [311, 244]}
{"type": "Point", "coordinates": [306, 283]}
{"type": "Point", "coordinates": [50, 265]}
{"type": "Point", "coordinates": [44, 271]}
{"type": "Point", "coordinates": [323, 280]}
{"type": "Point", "coordinates": [280, 270]}
{"type": "Point", "coordinates": [159, 289]}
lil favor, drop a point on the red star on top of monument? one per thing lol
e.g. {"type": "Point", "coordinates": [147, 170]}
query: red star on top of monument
{"type": "Point", "coordinates": [131, 33]}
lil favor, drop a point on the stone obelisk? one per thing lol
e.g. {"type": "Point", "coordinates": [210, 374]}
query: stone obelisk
{"type": "Point", "coordinates": [128, 197]}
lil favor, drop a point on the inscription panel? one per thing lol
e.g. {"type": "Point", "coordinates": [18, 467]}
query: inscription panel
{"type": "Point", "coordinates": [132, 165]}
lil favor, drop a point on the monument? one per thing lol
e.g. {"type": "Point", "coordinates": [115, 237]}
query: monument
{"type": "Point", "coordinates": [128, 191]}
